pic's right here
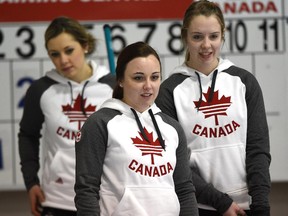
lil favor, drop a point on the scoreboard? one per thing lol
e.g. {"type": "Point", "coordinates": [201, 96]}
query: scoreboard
{"type": "Point", "coordinates": [255, 39]}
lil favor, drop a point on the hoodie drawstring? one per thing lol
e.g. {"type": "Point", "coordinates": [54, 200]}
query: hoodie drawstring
{"type": "Point", "coordinates": [200, 87]}
{"type": "Point", "coordinates": [210, 98]}
{"type": "Point", "coordinates": [212, 86]}
{"type": "Point", "coordinates": [82, 96]}
{"type": "Point", "coordinates": [71, 93]}
{"type": "Point", "coordinates": [155, 125]}
{"type": "Point", "coordinates": [140, 125]}
{"type": "Point", "coordinates": [157, 129]}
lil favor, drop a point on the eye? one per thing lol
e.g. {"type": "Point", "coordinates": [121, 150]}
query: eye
{"type": "Point", "coordinates": [138, 77]}
{"type": "Point", "coordinates": [69, 51]}
{"type": "Point", "coordinates": [155, 77]}
{"type": "Point", "coordinates": [197, 37]}
{"type": "Point", "coordinates": [54, 54]}
{"type": "Point", "coordinates": [214, 36]}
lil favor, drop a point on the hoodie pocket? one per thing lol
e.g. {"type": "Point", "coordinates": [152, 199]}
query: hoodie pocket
{"type": "Point", "coordinates": [223, 166]}
{"type": "Point", "coordinates": [147, 201]}
{"type": "Point", "coordinates": [62, 168]}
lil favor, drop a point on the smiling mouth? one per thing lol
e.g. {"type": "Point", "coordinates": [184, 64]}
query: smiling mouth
{"type": "Point", "coordinates": [206, 55]}
{"type": "Point", "coordinates": [146, 94]}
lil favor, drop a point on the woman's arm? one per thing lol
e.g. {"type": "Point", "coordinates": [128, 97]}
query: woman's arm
{"type": "Point", "coordinates": [258, 156]}
{"type": "Point", "coordinates": [90, 154]}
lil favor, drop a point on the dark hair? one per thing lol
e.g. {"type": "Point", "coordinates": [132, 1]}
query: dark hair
{"type": "Point", "coordinates": [205, 8]}
{"type": "Point", "coordinates": [73, 27]}
{"type": "Point", "coordinates": [132, 51]}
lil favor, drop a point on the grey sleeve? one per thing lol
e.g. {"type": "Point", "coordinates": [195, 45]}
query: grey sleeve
{"type": "Point", "coordinates": [182, 174]}
{"type": "Point", "coordinates": [207, 194]}
{"type": "Point", "coordinates": [90, 154]}
{"type": "Point", "coordinates": [165, 99]}
{"type": "Point", "coordinates": [258, 156]}
{"type": "Point", "coordinates": [29, 134]}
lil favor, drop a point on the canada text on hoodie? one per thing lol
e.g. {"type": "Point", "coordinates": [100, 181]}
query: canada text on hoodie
{"type": "Point", "coordinates": [132, 172]}
{"type": "Point", "coordinates": [229, 151]}
{"type": "Point", "coordinates": [63, 106]}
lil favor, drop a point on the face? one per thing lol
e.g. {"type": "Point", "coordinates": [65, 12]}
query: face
{"type": "Point", "coordinates": [204, 40]}
{"type": "Point", "coordinates": [141, 82]}
{"type": "Point", "coordinates": [68, 56]}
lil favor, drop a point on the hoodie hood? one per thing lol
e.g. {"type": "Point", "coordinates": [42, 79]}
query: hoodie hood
{"type": "Point", "coordinates": [124, 108]}
{"type": "Point", "coordinates": [98, 71]}
{"type": "Point", "coordinates": [194, 74]}
{"type": "Point", "coordinates": [127, 110]}
{"type": "Point", "coordinates": [187, 71]}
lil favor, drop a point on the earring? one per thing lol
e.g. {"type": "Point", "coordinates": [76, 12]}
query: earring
{"type": "Point", "coordinates": [120, 84]}
{"type": "Point", "coordinates": [86, 51]}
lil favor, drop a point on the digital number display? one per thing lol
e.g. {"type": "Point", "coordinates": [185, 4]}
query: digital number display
{"type": "Point", "coordinates": [255, 39]}
{"type": "Point", "coordinates": [241, 36]}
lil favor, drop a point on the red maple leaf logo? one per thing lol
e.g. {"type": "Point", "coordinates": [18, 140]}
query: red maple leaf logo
{"type": "Point", "coordinates": [148, 148]}
{"type": "Point", "coordinates": [217, 107]}
{"type": "Point", "coordinates": [75, 113]}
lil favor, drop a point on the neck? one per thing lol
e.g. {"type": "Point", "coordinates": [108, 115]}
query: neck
{"type": "Point", "coordinates": [203, 68]}
{"type": "Point", "coordinates": [85, 74]}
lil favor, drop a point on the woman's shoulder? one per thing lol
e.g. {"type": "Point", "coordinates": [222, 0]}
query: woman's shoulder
{"type": "Point", "coordinates": [248, 78]}
{"type": "Point", "coordinates": [40, 85]}
{"type": "Point", "coordinates": [238, 71]}
{"type": "Point", "coordinates": [104, 114]}
{"type": "Point", "coordinates": [169, 120]}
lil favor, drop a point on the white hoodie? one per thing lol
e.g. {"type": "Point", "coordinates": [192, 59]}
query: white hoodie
{"type": "Point", "coordinates": [135, 176]}
{"type": "Point", "coordinates": [228, 150]}
{"type": "Point", "coordinates": [61, 106]}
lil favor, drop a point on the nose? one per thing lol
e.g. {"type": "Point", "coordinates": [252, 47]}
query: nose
{"type": "Point", "coordinates": [147, 84]}
{"type": "Point", "coordinates": [63, 59]}
{"type": "Point", "coordinates": [206, 42]}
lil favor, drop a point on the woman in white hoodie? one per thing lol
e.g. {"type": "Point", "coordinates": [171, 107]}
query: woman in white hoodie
{"type": "Point", "coordinates": [221, 108]}
{"type": "Point", "coordinates": [132, 159]}
{"type": "Point", "coordinates": [58, 104]}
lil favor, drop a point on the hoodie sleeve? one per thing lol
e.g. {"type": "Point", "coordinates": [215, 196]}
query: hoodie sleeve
{"type": "Point", "coordinates": [205, 193]}
{"type": "Point", "coordinates": [90, 155]}
{"type": "Point", "coordinates": [182, 175]}
{"type": "Point", "coordinates": [258, 156]}
{"type": "Point", "coordinates": [29, 133]}
{"type": "Point", "coordinates": [183, 179]}
{"type": "Point", "coordinates": [165, 99]}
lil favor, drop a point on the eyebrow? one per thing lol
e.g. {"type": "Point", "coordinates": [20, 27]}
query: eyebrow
{"type": "Point", "coordinates": [141, 73]}
{"type": "Point", "coordinates": [217, 32]}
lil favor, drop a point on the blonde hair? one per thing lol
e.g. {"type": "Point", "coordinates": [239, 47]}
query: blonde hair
{"type": "Point", "coordinates": [205, 8]}
{"type": "Point", "coordinates": [72, 27]}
